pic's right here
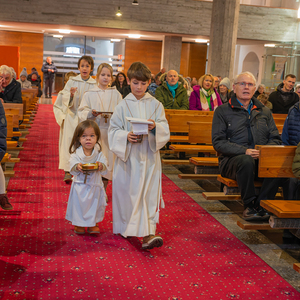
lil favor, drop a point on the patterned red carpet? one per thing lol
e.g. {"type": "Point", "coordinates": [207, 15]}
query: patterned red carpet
{"type": "Point", "coordinates": [41, 257]}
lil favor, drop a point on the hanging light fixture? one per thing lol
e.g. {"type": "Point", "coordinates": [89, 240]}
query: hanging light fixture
{"type": "Point", "coordinates": [119, 14]}
{"type": "Point", "coordinates": [135, 2]}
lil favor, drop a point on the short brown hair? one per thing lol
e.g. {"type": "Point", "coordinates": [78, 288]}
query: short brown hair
{"type": "Point", "coordinates": [89, 59]}
{"type": "Point", "coordinates": [81, 127]}
{"type": "Point", "coordinates": [263, 98]}
{"type": "Point", "coordinates": [139, 71]}
{"type": "Point", "coordinates": [290, 75]}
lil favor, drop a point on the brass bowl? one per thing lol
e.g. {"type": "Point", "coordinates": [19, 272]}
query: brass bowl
{"type": "Point", "coordinates": [90, 166]}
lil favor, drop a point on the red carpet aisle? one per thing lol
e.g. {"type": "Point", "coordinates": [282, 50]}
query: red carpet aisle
{"type": "Point", "coordinates": [41, 257]}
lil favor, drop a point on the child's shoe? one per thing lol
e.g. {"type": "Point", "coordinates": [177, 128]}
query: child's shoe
{"type": "Point", "coordinates": [68, 177]}
{"type": "Point", "coordinates": [152, 241]}
{"type": "Point", "coordinates": [4, 203]}
{"type": "Point", "coordinates": [93, 230]}
{"type": "Point", "coordinates": [79, 230]}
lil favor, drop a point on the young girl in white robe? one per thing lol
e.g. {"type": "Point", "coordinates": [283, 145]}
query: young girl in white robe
{"type": "Point", "coordinates": [87, 200]}
{"type": "Point", "coordinates": [98, 104]}
{"type": "Point", "coordinates": [137, 193]}
{"type": "Point", "coordinates": [66, 106]}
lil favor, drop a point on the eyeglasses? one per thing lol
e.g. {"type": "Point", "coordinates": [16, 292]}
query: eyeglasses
{"type": "Point", "coordinates": [244, 84]}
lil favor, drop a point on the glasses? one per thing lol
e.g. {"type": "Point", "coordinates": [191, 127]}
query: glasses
{"type": "Point", "coordinates": [244, 84]}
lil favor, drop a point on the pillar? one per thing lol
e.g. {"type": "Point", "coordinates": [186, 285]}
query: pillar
{"type": "Point", "coordinates": [223, 35]}
{"type": "Point", "coordinates": [171, 53]}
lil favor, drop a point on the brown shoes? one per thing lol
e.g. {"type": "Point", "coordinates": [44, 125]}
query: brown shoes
{"type": "Point", "coordinates": [68, 177]}
{"type": "Point", "coordinates": [79, 230]}
{"type": "Point", "coordinates": [152, 241]}
{"type": "Point", "coordinates": [4, 203]}
{"type": "Point", "coordinates": [93, 230]}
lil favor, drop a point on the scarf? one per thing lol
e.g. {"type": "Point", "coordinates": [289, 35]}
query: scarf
{"type": "Point", "coordinates": [172, 88]}
{"type": "Point", "coordinates": [204, 102]}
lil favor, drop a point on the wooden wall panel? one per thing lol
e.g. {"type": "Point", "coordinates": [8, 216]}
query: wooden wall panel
{"type": "Point", "coordinates": [31, 47]}
{"type": "Point", "coordinates": [197, 60]}
{"type": "Point", "coordinates": [148, 52]}
{"type": "Point", "coordinates": [11, 54]}
{"type": "Point", "coordinates": [185, 59]}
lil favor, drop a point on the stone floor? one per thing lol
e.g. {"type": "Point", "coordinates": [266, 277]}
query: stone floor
{"type": "Point", "coordinates": [269, 245]}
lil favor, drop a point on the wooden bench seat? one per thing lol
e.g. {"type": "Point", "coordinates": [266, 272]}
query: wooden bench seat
{"type": "Point", "coordinates": [7, 158]}
{"type": "Point", "coordinates": [254, 226]}
{"type": "Point", "coordinates": [175, 162]}
{"type": "Point", "coordinates": [282, 208]}
{"type": "Point", "coordinates": [232, 183]}
{"type": "Point", "coordinates": [204, 161]}
{"type": "Point", "coordinates": [296, 267]}
{"type": "Point", "coordinates": [193, 148]}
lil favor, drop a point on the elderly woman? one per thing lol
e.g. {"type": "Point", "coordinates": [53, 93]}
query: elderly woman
{"type": "Point", "coordinates": [205, 97]}
{"type": "Point", "coordinates": [260, 90]}
{"type": "Point", "coordinates": [10, 90]}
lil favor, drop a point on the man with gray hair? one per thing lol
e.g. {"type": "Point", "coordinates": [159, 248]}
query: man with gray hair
{"type": "Point", "coordinates": [172, 94]}
{"type": "Point", "coordinates": [237, 127]}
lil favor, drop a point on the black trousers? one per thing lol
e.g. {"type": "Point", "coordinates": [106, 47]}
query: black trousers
{"type": "Point", "coordinates": [244, 169]}
{"type": "Point", "coordinates": [48, 85]}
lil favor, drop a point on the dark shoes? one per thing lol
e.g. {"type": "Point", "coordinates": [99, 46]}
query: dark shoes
{"type": "Point", "coordinates": [68, 177]}
{"type": "Point", "coordinates": [252, 214]}
{"type": "Point", "coordinates": [152, 241]}
{"type": "Point", "coordinates": [4, 203]}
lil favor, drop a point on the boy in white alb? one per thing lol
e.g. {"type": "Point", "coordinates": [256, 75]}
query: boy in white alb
{"type": "Point", "coordinates": [137, 193]}
{"type": "Point", "coordinates": [66, 106]}
{"type": "Point", "coordinates": [98, 104]}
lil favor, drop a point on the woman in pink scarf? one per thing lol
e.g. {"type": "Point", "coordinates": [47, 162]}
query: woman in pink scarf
{"type": "Point", "coordinates": [205, 97]}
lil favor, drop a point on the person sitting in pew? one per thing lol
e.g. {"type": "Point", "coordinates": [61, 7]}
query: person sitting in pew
{"type": "Point", "coordinates": [10, 89]}
{"type": "Point", "coordinates": [237, 127]}
{"type": "Point", "coordinates": [25, 84]}
{"type": "Point", "coordinates": [35, 81]}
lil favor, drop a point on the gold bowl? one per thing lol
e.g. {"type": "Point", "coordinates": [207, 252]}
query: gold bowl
{"type": "Point", "coordinates": [90, 166]}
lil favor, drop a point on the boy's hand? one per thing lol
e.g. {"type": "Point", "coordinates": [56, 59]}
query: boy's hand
{"type": "Point", "coordinates": [79, 167]}
{"type": "Point", "coordinates": [151, 126]}
{"type": "Point", "coordinates": [100, 166]}
{"type": "Point", "coordinates": [95, 113]}
{"type": "Point", "coordinates": [73, 91]}
{"type": "Point", "coordinates": [131, 137]}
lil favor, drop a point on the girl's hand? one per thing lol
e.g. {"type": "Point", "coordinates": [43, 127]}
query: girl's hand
{"type": "Point", "coordinates": [95, 114]}
{"type": "Point", "coordinates": [73, 90]}
{"type": "Point", "coordinates": [131, 137]}
{"type": "Point", "coordinates": [100, 166]}
{"type": "Point", "coordinates": [151, 126]}
{"type": "Point", "coordinates": [79, 167]}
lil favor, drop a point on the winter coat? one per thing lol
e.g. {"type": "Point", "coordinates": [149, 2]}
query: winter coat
{"type": "Point", "coordinates": [279, 105]}
{"type": "Point", "coordinates": [296, 162]}
{"type": "Point", "coordinates": [164, 95]}
{"type": "Point", "coordinates": [291, 128]}
{"type": "Point", "coordinates": [234, 130]}
{"type": "Point", "coordinates": [195, 103]}
{"type": "Point", "coordinates": [46, 66]}
{"type": "Point", "coordinates": [3, 132]}
{"type": "Point", "coordinates": [12, 93]}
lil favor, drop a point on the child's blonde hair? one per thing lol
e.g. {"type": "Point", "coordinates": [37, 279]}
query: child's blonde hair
{"type": "Point", "coordinates": [68, 75]}
{"type": "Point", "coordinates": [100, 68]}
{"type": "Point", "coordinates": [81, 127]}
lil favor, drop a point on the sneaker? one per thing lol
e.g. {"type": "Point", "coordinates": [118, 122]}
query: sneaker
{"type": "Point", "coordinates": [263, 213]}
{"type": "Point", "coordinates": [68, 177]}
{"type": "Point", "coordinates": [79, 230]}
{"type": "Point", "coordinates": [4, 203]}
{"type": "Point", "coordinates": [152, 241]}
{"type": "Point", "coordinates": [251, 214]}
{"type": "Point", "coordinates": [93, 230]}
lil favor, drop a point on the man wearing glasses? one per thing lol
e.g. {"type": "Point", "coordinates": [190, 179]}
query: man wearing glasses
{"type": "Point", "coordinates": [237, 127]}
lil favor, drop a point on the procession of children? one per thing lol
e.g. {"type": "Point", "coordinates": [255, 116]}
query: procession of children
{"type": "Point", "coordinates": [106, 138]}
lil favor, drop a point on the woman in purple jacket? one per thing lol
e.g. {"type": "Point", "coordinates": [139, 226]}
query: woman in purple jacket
{"type": "Point", "coordinates": [205, 97]}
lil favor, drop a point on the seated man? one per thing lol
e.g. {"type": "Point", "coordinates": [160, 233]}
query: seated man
{"type": "Point", "coordinates": [285, 97]}
{"type": "Point", "coordinates": [172, 94]}
{"type": "Point", "coordinates": [237, 127]}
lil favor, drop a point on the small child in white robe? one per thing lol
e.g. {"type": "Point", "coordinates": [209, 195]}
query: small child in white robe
{"type": "Point", "coordinates": [87, 200]}
{"type": "Point", "coordinates": [137, 193]}
{"type": "Point", "coordinates": [66, 106]}
{"type": "Point", "coordinates": [98, 104]}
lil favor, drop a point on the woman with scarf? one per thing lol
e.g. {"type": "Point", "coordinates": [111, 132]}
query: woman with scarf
{"type": "Point", "coordinates": [205, 97]}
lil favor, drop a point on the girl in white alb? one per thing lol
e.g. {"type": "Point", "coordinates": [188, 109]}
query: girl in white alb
{"type": "Point", "coordinates": [87, 200]}
{"type": "Point", "coordinates": [98, 104]}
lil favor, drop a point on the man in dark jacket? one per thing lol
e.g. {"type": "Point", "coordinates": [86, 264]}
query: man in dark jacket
{"type": "Point", "coordinates": [285, 97]}
{"type": "Point", "coordinates": [237, 127]}
{"type": "Point", "coordinates": [49, 69]}
{"type": "Point", "coordinates": [10, 91]}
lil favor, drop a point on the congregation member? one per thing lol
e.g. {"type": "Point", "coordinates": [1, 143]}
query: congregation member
{"type": "Point", "coordinates": [35, 82]}
{"type": "Point", "coordinates": [49, 69]}
{"type": "Point", "coordinates": [66, 106]}
{"type": "Point", "coordinates": [154, 85]}
{"type": "Point", "coordinates": [285, 97]}
{"type": "Point", "coordinates": [260, 90]}
{"type": "Point", "coordinates": [224, 88]}
{"type": "Point", "coordinates": [204, 96]}
{"type": "Point", "coordinates": [120, 83]}
{"type": "Point", "coordinates": [10, 91]}
{"type": "Point", "coordinates": [297, 90]}
{"type": "Point", "coordinates": [34, 71]}
{"type": "Point", "coordinates": [25, 84]}
{"type": "Point", "coordinates": [263, 98]}
{"type": "Point", "coordinates": [194, 81]}
{"type": "Point", "coordinates": [172, 93]}
{"type": "Point", "coordinates": [237, 127]}
{"type": "Point", "coordinates": [216, 82]}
